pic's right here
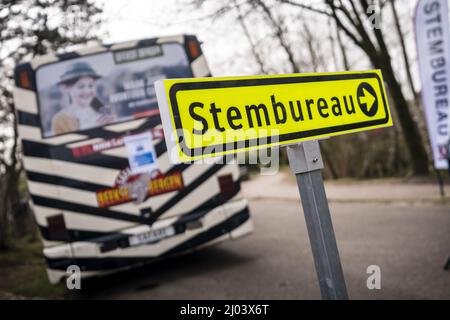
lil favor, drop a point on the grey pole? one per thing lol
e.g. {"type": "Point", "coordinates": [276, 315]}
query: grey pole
{"type": "Point", "coordinates": [306, 162]}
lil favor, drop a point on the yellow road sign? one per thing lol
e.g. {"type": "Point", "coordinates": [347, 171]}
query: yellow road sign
{"type": "Point", "coordinates": [207, 117]}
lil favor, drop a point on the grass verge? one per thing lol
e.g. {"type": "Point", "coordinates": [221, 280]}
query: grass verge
{"type": "Point", "coordinates": [23, 274]}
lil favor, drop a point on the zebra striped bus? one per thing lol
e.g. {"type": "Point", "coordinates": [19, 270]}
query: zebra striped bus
{"type": "Point", "coordinates": [104, 194]}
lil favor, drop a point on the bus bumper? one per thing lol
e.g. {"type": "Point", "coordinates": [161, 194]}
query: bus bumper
{"type": "Point", "coordinates": [106, 255]}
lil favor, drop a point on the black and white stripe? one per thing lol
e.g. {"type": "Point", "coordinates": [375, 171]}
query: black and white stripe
{"type": "Point", "coordinates": [59, 183]}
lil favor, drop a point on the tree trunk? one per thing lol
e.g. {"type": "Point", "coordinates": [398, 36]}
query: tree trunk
{"type": "Point", "coordinates": [417, 153]}
{"type": "Point", "coordinates": [380, 58]}
{"type": "Point", "coordinates": [404, 52]}
{"type": "Point", "coordinates": [345, 62]}
{"type": "Point", "coordinates": [17, 208]}
{"type": "Point", "coordinates": [4, 229]}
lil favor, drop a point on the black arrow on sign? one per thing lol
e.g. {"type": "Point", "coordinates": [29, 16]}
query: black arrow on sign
{"type": "Point", "coordinates": [367, 99]}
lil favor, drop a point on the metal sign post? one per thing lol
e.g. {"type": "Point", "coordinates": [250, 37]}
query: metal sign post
{"type": "Point", "coordinates": [306, 162]}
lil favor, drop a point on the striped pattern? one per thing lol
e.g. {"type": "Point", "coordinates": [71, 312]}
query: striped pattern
{"type": "Point", "coordinates": [62, 184]}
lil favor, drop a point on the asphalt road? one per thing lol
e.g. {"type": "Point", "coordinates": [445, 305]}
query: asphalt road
{"type": "Point", "coordinates": [410, 242]}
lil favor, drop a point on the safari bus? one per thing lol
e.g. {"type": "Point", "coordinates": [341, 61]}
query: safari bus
{"type": "Point", "coordinates": [104, 194]}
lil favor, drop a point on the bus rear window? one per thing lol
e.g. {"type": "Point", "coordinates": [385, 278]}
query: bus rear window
{"type": "Point", "coordinates": [105, 88]}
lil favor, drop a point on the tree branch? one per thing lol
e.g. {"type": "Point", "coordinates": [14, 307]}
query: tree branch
{"type": "Point", "coordinates": [358, 24]}
{"type": "Point", "coordinates": [365, 44]}
{"type": "Point", "coordinates": [341, 26]}
{"type": "Point", "coordinates": [306, 7]}
{"type": "Point", "coordinates": [280, 34]}
{"type": "Point", "coordinates": [247, 34]}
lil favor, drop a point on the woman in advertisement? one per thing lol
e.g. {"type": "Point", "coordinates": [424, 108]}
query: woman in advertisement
{"type": "Point", "coordinates": [85, 110]}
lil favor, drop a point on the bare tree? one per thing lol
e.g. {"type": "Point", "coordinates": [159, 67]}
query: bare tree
{"type": "Point", "coordinates": [401, 38]}
{"type": "Point", "coordinates": [351, 17]}
{"type": "Point", "coordinates": [280, 32]}
{"type": "Point", "coordinates": [258, 58]}
{"type": "Point", "coordinates": [30, 28]}
{"type": "Point", "coordinates": [352, 22]}
{"type": "Point", "coordinates": [343, 50]}
{"type": "Point", "coordinates": [332, 41]}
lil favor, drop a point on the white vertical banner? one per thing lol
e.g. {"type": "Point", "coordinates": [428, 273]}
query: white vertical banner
{"type": "Point", "coordinates": [433, 48]}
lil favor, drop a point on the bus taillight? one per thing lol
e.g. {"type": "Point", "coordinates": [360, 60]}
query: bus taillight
{"type": "Point", "coordinates": [57, 230]}
{"type": "Point", "coordinates": [194, 48]}
{"type": "Point", "coordinates": [228, 188]}
{"type": "Point", "coordinates": [24, 80]}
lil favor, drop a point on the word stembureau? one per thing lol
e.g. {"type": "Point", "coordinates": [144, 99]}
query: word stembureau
{"type": "Point", "coordinates": [211, 117]}
{"type": "Point", "coordinates": [260, 115]}
{"type": "Point", "coordinates": [294, 110]}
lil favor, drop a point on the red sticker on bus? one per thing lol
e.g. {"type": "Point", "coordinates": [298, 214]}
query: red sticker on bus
{"type": "Point", "coordinates": [89, 149]}
{"type": "Point", "coordinates": [124, 193]}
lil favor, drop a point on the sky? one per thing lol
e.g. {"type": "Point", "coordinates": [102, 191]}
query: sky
{"type": "Point", "coordinates": [136, 19]}
{"type": "Point", "coordinates": [226, 49]}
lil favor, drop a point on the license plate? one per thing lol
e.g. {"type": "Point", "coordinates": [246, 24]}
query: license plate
{"type": "Point", "coordinates": [151, 236]}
